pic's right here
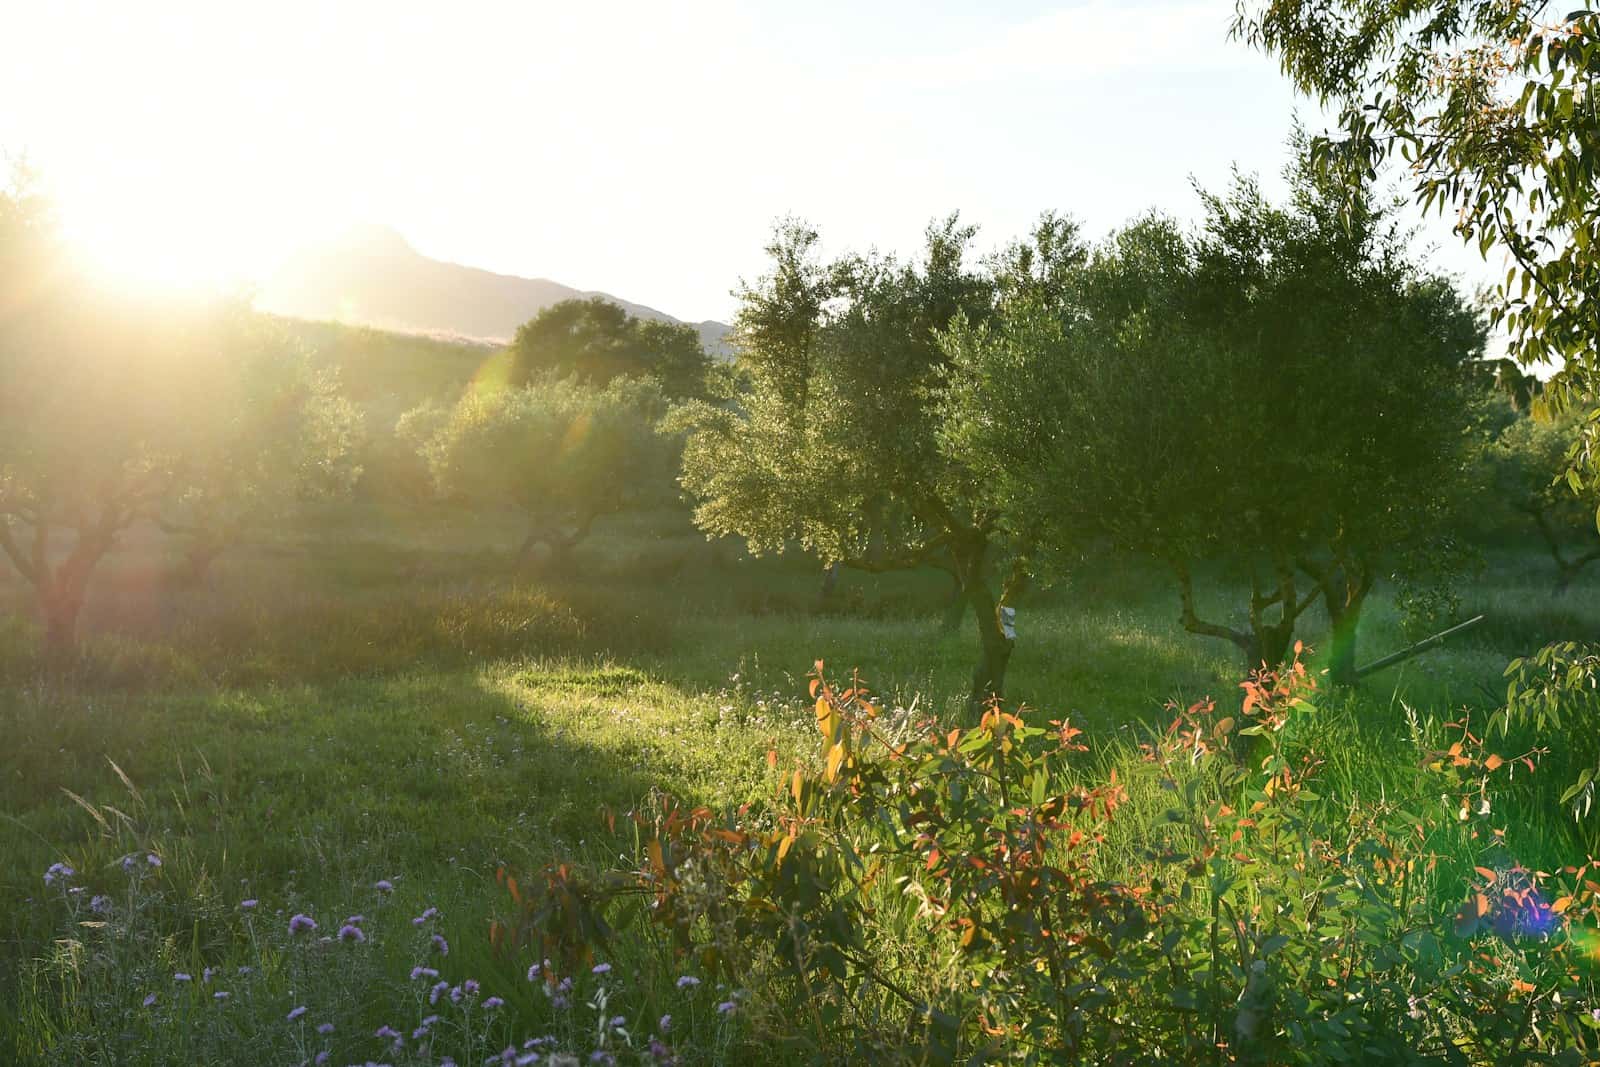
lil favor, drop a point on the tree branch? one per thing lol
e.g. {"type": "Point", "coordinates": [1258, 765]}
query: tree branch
{"type": "Point", "coordinates": [1190, 619]}
{"type": "Point", "coordinates": [927, 555]}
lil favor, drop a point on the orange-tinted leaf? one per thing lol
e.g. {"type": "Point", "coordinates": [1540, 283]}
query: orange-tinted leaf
{"type": "Point", "coordinates": [1493, 762]}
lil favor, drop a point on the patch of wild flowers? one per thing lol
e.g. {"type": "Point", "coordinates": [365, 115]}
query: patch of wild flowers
{"type": "Point", "coordinates": [285, 980]}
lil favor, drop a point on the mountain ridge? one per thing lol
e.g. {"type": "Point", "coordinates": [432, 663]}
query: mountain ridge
{"type": "Point", "coordinates": [372, 276]}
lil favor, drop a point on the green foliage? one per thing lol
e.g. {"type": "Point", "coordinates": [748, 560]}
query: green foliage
{"type": "Point", "coordinates": [598, 341]}
{"type": "Point", "coordinates": [1260, 922]}
{"type": "Point", "coordinates": [833, 441]}
{"type": "Point", "coordinates": [1491, 105]}
{"type": "Point", "coordinates": [563, 452]}
{"type": "Point", "coordinates": [1284, 390]}
{"type": "Point", "coordinates": [118, 407]}
{"type": "Point", "coordinates": [276, 433]}
{"type": "Point", "coordinates": [1428, 580]}
{"type": "Point", "coordinates": [1554, 691]}
{"type": "Point", "coordinates": [1530, 466]}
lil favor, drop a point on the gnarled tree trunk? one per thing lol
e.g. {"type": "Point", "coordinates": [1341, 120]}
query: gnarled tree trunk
{"type": "Point", "coordinates": [1267, 641]}
{"type": "Point", "coordinates": [559, 540]}
{"type": "Point", "coordinates": [1343, 584]}
{"type": "Point", "coordinates": [1567, 568]}
{"type": "Point", "coordinates": [994, 647]}
{"type": "Point", "coordinates": [59, 594]}
{"type": "Point", "coordinates": [192, 569]}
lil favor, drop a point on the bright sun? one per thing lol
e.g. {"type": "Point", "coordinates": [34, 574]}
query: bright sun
{"type": "Point", "coordinates": [134, 235]}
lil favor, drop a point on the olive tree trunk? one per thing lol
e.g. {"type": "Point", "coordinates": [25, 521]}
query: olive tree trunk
{"type": "Point", "coordinates": [59, 595]}
{"type": "Point", "coordinates": [1343, 585]}
{"type": "Point", "coordinates": [994, 647]}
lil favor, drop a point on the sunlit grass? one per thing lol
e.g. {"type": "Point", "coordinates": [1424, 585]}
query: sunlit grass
{"type": "Point", "coordinates": [352, 702]}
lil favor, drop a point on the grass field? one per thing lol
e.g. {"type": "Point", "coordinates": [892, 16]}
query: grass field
{"type": "Point", "coordinates": [373, 696]}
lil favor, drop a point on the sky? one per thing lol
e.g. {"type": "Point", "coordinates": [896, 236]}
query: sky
{"type": "Point", "coordinates": [641, 149]}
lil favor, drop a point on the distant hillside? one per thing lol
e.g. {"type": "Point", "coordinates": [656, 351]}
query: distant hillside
{"type": "Point", "coordinates": [388, 372]}
{"type": "Point", "coordinates": [372, 277]}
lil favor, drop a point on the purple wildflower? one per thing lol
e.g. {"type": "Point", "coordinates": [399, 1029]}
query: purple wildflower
{"type": "Point", "coordinates": [207, 974]}
{"type": "Point", "coordinates": [430, 913]}
{"type": "Point", "coordinates": [221, 994]}
{"type": "Point", "coordinates": [100, 905]}
{"type": "Point", "coordinates": [600, 1055]}
{"type": "Point", "coordinates": [437, 991]}
{"type": "Point", "coordinates": [386, 1031]}
{"type": "Point", "coordinates": [457, 996]}
{"type": "Point", "coordinates": [383, 885]}
{"type": "Point", "coordinates": [533, 973]}
{"type": "Point", "coordinates": [355, 920]}
{"type": "Point", "coordinates": [128, 864]}
{"type": "Point", "coordinates": [726, 1007]}
{"type": "Point", "coordinates": [688, 981]}
{"type": "Point", "coordinates": [441, 945]}
{"type": "Point", "coordinates": [419, 1033]}
{"type": "Point", "coordinates": [301, 922]}
{"type": "Point", "coordinates": [492, 1003]}
{"type": "Point", "coordinates": [601, 968]}
{"type": "Point", "coordinates": [247, 905]}
{"type": "Point", "coordinates": [150, 1001]}
{"type": "Point", "coordinates": [617, 1022]}
{"type": "Point", "coordinates": [181, 977]}
{"type": "Point", "coordinates": [470, 986]}
{"type": "Point", "coordinates": [246, 970]}
{"type": "Point", "coordinates": [58, 872]}
{"type": "Point", "coordinates": [665, 1025]}
{"type": "Point", "coordinates": [423, 972]}
{"type": "Point", "coordinates": [297, 1012]}
{"type": "Point", "coordinates": [322, 1057]}
{"type": "Point", "coordinates": [152, 859]}
{"type": "Point", "coordinates": [527, 1059]}
{"type": "Point", "coordinates": [351, 932]}
{"type": "Point", "coordinates": [325, 1028]}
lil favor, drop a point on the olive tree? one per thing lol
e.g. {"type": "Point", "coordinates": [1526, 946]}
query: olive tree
{"type": "Point", "coordinates": [564, 453]}
{"type": "Point", "coordinates": [833, 442]}
{"type": "Point", "coordinates": [1279, 393]}
{"type": "Point", "coordinates": [1529, 462]}
{"type": "Point", "coordinates": [114, 407]}
{"type": "Point", "coordinates": [598, 340]}
{"type": "Point", "coordinates": [277, 432]}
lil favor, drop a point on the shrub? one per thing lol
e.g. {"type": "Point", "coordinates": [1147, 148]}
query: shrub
{"type": "Point", "coordinates": [943, 895]}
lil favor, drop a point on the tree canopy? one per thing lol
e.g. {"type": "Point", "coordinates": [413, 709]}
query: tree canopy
{"type": "Point", "coordinates": [598, 341]}
{"type": "Point", "coordinates": [833, 441]}
{"type": "Point", "coordinates": [1281, 392]}
{"type": "Point", "coordinates": [276, 432]}
{"type": "Point", "coordinates": [1490, 104]}
{"type": "Point", "coordinates": [563, 452]}
{"type": "Point", "coordinates": [118, 407]}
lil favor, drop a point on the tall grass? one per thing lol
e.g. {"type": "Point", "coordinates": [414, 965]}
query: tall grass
{"type": "Point", "coordinates": [372, 697]}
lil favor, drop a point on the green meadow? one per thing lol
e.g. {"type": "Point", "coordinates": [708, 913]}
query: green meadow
{"type": "Point", "coordinates": [375, 694]}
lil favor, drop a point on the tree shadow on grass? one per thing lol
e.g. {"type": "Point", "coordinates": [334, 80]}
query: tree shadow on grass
{"type": "Point", "coordinates": [300, 794]}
